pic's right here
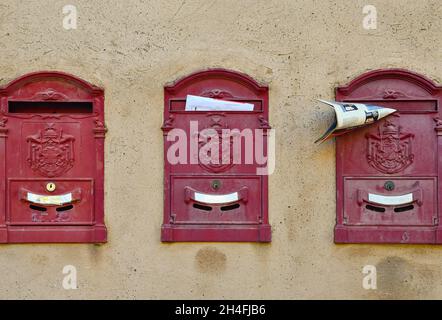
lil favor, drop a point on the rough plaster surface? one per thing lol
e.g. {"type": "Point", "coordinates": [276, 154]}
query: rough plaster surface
{"type": "Point", "coordinates": [302, 49]}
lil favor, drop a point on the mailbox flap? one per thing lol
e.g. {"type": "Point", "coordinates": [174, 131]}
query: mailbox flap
{"type": "Point", "coordinates": [71, 203]}
{"type": "Point", "coordinates": [216, 200]}
{"type": "Point", "coordinates": [411, 202]}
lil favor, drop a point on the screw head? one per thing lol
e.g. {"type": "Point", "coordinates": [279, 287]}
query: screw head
{"type": "Point", "coordinates": [389, 185]}
{"type": "Point", "coordinates": [216, 184]}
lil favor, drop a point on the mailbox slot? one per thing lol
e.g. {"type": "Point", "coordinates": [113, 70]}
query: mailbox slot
{"type": "Point", "coordinates": [39, 107]}
{"type": "Point", "coordinates": [179, 105]}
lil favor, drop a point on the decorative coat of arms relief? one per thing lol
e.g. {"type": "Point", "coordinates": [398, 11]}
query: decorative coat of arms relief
{"type": "Point", "coordinates": [224, 160]}
{"type": "Point", "coordinates": [50, 151]}
{"type": "Point", "coordinates": [390, 151]}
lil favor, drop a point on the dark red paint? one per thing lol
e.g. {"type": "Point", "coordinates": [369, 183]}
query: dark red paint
{"type": "Point", "coordinates": [403, 150]}
{"type": "Point", "coordinates": [187, 219]}
{"type": "Point", "coordinates": [52, 130]}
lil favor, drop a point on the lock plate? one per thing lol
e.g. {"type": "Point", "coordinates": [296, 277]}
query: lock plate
{"type": "Point", "coordinates": [50, 186]}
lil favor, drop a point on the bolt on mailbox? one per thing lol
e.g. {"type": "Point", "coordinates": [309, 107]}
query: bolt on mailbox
{"type": "Point", "coordinates": [52, 142]}
{"type": "Point", "coordinates": [388, 173]}
{"type": "Point", "coordinates": [215, 138]}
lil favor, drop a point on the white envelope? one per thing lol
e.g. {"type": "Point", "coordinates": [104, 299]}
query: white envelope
{"type": "Point", "coordinates": [197, 103]}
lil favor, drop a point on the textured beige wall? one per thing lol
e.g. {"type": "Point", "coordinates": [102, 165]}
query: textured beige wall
{"type": "Point", "coordinates": [302, 49]}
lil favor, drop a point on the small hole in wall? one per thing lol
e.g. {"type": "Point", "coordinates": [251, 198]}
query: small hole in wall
{"type": "Point", "coordinates": [201, 207]}
{"type": "Point", "coordinates": [373, 208]}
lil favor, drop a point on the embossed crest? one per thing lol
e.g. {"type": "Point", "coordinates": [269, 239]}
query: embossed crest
{"type": "Point", "coordinates": [224, 160]}
{"type": "Point", "coordinates": [50, 152]}
{"type": "Point", "coordinates": [390, 151]}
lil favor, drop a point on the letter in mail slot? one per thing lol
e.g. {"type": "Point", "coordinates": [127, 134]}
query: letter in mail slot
{"type": "Point", "coordinates": [196, 103]}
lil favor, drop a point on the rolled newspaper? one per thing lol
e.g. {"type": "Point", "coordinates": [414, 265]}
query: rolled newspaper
{"type": "Point", "coordinates": [350, 115]}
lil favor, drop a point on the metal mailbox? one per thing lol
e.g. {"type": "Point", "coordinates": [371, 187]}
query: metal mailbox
{"type": "Point", "coordinates": [388, 173]}
{"type": "Point", "coordinates": [207, 200]}
{"type": "Point", "coordinates": [52, 142]}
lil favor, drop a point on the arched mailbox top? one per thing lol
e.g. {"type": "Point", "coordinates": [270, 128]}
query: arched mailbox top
{"type": "Point", "coordinates": [389, 84]}
{"type": "Point", "coordinates": [50, 86]}
{"type": "Point", "coordinates": [216, 83]}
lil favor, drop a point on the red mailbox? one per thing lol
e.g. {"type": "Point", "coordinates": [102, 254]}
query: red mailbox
{"type": "Point", "coordinates": [223, 200]}
{"type": "Point", "coordinates": [52, 142]}
{"type": "Point", "coordinates": [388, 173]}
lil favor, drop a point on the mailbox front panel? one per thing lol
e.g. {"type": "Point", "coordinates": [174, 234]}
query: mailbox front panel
{"type": "Point", "coordinates": [388, 172]}
{"type": "Point", "coordinates": [370, 202]}
{"type": "Point", "coordinates": [72, 202]}
{"type": "Point", "coordinates": [52, 132]}
{"type": "Point", "coordinates": [216, 200]}
{"type": "Point", "coordinates": [223, 200]}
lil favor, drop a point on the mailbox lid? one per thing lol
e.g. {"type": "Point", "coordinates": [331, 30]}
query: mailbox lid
{"type": "Point", "coordinates": [216, 199]}
{"type": "Point", "coordinates": [412, 202]}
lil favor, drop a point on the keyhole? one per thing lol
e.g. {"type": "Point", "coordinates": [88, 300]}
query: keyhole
{"type": "Point", "coordinates": [389, 185]}
{"type": "Point", "coordinates": [50, 186]}
{"type": "Point", "coordinates": [216, 184]}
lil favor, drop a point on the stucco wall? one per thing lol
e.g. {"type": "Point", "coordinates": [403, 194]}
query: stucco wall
{"type": "Point", "coordinates": [302, 49]}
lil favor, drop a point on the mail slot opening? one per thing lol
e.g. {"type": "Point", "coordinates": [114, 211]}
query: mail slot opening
{"type": "Point", "coordinates": [37, 208]}
{"type": "Point", "coordinates": [403, 209]}
{"type": "Point", "coordinates": [49, 107]}
{"type": "Point", "coordinates": [65, 208]}
{"type": "Point", "coordinates": [374, 208]}
{"type": "Point", "coordinates": [230, 207]}
{"type": "Point", "coordinates": [201, 207]}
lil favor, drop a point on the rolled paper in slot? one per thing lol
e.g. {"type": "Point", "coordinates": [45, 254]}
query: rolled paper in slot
{"type": "Point", "coordinates": [350, 115]}
{"type": "Point", "coordinates": [197, 103]}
